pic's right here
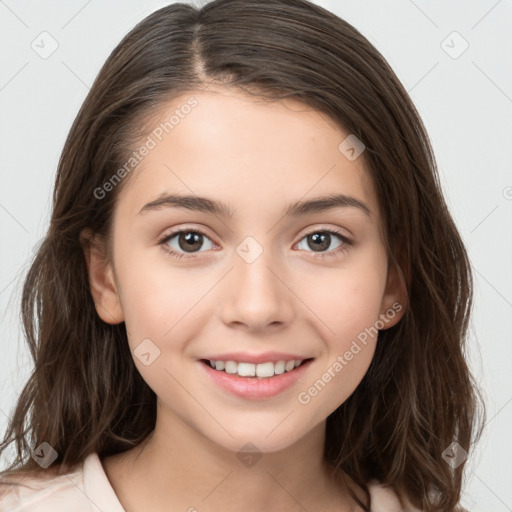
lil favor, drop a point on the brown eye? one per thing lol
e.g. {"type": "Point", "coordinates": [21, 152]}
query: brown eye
{"type": "Point", "coordinates": [190, 241]}
{"type": "Point", "coordinates": [320, 241]}
{"type": "Point", "coordinates": [184, 241]}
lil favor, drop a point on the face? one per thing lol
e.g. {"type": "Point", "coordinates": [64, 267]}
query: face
{"type": "Point", "coordinates": [256, 280]}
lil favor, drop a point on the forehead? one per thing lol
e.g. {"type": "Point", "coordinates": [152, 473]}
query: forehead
{"type": "Point", "coordinates": [244, 151]}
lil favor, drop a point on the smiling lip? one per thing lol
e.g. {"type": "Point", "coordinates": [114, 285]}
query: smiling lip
{"type": "Point", "coordinates": [266, 357]}
{"type": "Point", "coordinates": [253, 388]}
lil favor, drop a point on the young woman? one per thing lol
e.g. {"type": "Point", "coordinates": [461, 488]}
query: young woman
{"type": "Point", "coordinates": [251, 294]}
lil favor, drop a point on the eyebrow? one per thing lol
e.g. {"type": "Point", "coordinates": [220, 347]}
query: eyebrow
{"type": "Point", "coordinates": [300, 208]}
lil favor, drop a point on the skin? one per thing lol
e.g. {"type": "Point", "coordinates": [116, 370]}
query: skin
{"type": "Point", "coordinates": [258, 158]}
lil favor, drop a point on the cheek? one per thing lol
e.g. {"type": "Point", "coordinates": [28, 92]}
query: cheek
{"type": "Point", "coordinates": [349, 342]}
{"type": "Point", "coordinates": [156, 298]}
{"type": "Point", "coordinates": [348, 300]}
{"type": "Point", "coordinates": [347, 305]}
{"type": "Point", "coordinates": [160, 318]}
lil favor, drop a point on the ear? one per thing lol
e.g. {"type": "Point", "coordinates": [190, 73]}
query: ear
{"type": "Point", "coordinates": [101, 278]}
{"type": "Point", "coordinates": [395, 299]}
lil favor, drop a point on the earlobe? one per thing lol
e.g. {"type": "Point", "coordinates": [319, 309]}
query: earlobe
{"type": "Point", "coordinates": [101, 278]}
{"type": "Point", "coordinates": [395, 300]}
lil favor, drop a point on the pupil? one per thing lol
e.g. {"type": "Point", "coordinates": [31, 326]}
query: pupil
{"type": "Point", "coordinates": [319, 241]}
{"type": "Point", "coordinates": [191, 239]}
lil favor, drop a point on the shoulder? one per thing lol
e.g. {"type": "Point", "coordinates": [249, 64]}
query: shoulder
{"type": "Point", "coordinates": [39, 491]}
{"type": "Point", "coordinates": [44, 491]}
{"type": "Point", "coordinates": [384, 499]}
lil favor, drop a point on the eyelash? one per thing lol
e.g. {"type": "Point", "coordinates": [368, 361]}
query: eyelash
{"type": "Point", "coordinates": [340, 250]}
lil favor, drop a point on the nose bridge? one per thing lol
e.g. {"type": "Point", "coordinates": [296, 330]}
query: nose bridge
{"type": "Point", "coordinates": [253, 264]}
{"type": "Point", "coordinates": [256, 294]}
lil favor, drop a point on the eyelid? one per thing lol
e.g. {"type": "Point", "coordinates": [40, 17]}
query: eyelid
{"type": "Point", "coordinates": [306, 231]}
{"type": "Point", "coordinates": [332, 229]}
{"type": "Point", "coordinates": [172, 232]}
{"type": "Point", "coordinates": [184, 227]}
{"type": "Point", "coordinates": [347, 241]}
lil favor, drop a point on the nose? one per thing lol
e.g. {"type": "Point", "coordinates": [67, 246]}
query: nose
{"type": "Point", "coordinates": [256, 295]}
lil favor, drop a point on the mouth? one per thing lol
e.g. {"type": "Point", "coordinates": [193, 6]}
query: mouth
{"type": "Point", "coordinates": [252, 371]}
{"type": "Point", "coordinates": [247, 380]}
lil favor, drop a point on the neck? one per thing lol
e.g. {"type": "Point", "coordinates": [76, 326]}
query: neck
{"type": "Point", "coordinates": [178, 465]}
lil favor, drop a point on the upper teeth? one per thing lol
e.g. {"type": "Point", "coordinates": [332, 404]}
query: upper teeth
{"type": "Point", "coordinates": [259, 370]}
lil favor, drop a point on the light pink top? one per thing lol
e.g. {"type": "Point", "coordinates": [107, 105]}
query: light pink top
{"type": "Point", "coordinates": [87, 489]}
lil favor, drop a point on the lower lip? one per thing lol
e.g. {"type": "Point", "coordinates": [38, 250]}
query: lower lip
{"type": "Point", "coordinates": [253, 388]}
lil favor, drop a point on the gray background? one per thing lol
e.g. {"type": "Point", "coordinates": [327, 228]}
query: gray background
{"type": "Point", "coordinates": [465, 101]}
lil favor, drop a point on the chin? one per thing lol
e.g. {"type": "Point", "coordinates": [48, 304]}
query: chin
{"type": "Point", "coordinates": [261, 437]}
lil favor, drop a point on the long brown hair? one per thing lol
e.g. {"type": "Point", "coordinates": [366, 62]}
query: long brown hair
{"type": "Point", "coordinates": [418, 397]}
